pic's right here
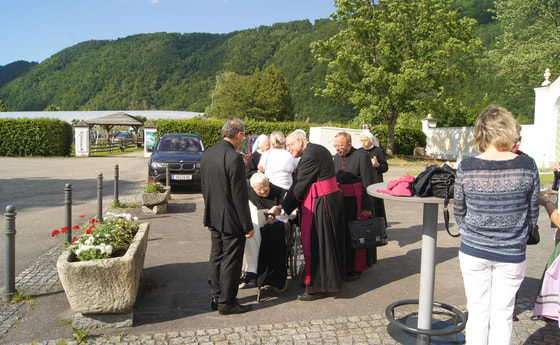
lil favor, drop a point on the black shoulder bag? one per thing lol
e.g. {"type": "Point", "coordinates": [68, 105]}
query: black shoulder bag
{"type": "Point", "coordinates": [437, 181]}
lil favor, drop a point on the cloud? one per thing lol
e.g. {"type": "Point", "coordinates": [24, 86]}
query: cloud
{"type": "Point", "coordinates": [155, 1]}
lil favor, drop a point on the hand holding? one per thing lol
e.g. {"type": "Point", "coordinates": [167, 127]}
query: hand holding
{"type": "Point", "coordinates": [275, 210]}
{"type": "Point", "coordinates": [250, 233]}
{"type": "Point", "coordinates": [270, 220]}
{"type": "Point", "coordinates": [366, 213]}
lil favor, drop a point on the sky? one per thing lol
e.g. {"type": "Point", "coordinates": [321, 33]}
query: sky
{"type": "Point", "coordinates": [34, 30]}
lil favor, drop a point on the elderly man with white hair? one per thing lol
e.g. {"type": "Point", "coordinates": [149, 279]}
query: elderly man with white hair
{"type": "Point", "coordinates": [264, 260]}
{"type": "Point", "coordinates": [316, 194]}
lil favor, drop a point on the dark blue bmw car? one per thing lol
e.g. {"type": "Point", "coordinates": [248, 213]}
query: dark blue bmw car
{"type": "Point", "coordinates": [182, 153]}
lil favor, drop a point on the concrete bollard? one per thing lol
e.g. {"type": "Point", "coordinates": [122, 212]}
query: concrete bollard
{"type": "Point", "coordinates": [116, 188]}
{"type": "Point", "coordinates": [167, 175]}
{"type": "Point", "coordinates": [68, 210]}
{"type": "Point", "coordinates": [10, 287]}
{"type": "Point", "coordinates": [100, 197]}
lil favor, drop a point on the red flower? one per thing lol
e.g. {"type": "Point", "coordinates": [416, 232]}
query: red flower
{"type": "Point", "coordinates": [64, 229]}
{"type": "Point", "coordinates": [88, 231]}
{"type": "Point", "coordinates": [93, 221]}
{"type": "Point", "coordinates": [82, 216]}
{"type": "Point", "coordinates": [74, 239]}
{"type": "Point", "coordinates": [55, 233]}
{"type": "Point", "coordinates": [75, 227]}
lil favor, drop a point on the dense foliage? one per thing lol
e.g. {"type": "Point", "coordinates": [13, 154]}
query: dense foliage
{"type": "Point", "coordinates": [260, 96]}
{"type": "Point", "coordinates": [35, 137]}
{"type": "Point", "coordinates": [210, 131]}
{"type": "Point", "coordinates": [397, 56]}
{"type": "Point", "coordinates": [13, 70]}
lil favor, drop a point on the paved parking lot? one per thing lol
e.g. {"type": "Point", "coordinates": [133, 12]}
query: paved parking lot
{"type": "Point", "coordinates": [173, 307]}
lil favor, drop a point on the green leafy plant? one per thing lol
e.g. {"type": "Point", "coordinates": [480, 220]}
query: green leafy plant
{"type": "Point", "coordinates": [64, 322]}
{"type": "Point", "coordinates": [153, 187]}
{"type": "Point", "coordinates": [100, 240]}
{"type": "Point", "coordinates": [80, 335]}
{"type": "Point", "coordinates": [21, 297]}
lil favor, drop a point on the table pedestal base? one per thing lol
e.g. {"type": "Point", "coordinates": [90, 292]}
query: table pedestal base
{"type": "Point", "coordinates": [445, 330]}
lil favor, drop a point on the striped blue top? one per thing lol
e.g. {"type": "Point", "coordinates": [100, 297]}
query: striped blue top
{"type": "Point", "coordinates": [495, 202]}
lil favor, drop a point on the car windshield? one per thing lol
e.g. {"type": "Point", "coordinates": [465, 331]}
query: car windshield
{"type": "Point", "coordinates": [182, 144]}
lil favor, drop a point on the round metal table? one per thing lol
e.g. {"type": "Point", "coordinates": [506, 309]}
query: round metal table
{"type": "Point", "coordinates": [423, 329]}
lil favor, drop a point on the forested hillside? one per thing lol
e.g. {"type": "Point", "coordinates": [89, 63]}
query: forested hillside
{"type": "Point", "coordinates": [171, 71]}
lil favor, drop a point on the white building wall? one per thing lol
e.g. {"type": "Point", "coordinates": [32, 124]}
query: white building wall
{"type": "Point", "coordinates": [540, 140]}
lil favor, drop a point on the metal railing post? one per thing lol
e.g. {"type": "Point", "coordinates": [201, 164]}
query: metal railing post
{"type": "Point", "coordinates": [10, 287]}
{"type": "Point", "coordinates": [100, 197]}
{"type": "Point", "coordinates": [116, 189]}
{"type": "Point", "coordinates": [68, 210]}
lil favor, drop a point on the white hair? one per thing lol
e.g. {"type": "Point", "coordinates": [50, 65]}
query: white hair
{"type": "Point", "coordinates": [258, 177]}
{"type": "Point", "coordinates": [259, 141]}
{"type": "Point", "coordinates": [298, 134]}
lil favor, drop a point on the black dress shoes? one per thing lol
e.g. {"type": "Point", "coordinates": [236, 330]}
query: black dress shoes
{"type": "Point", "coordinates": [311, 296]}
{"type": "Point", "coordinates": [234, 309]}
{"type": "Point", "coordinates": [353, 276]}
{"type": "Point", "coordinates": [214, 304]}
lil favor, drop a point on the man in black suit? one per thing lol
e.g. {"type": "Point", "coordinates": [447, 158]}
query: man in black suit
{"type": "Point", "coordinates": [316, 194]}
{"type": "Point", "coordinates": [226, 214]}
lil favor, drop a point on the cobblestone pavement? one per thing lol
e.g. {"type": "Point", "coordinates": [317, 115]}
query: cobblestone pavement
{"type": "Point", "coordinates": [41, 276]}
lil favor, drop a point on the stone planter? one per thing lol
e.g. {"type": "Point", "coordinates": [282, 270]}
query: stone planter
{"type": "Point", "coordinates": [156, 202]}
{"type": "Point", "coordinates": [105, 286]}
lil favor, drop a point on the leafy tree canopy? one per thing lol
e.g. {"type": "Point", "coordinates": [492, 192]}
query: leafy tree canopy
{"type": "Point", "coordinates": [396, 57]}
{"type": "Point", "coordinates": [262, 96]}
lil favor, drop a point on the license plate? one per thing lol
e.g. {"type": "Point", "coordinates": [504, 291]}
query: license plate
{"type": "Point", "coordinates": [181, 177]}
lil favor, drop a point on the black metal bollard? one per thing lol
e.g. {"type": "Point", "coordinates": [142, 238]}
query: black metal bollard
{"type": "Point", "coordinates": [10, 287]}
{"type": "Point", "coordinates": [116, 188]}
{"type": "Point", "coordinates": [100, 197]}
{"type": "Point", "coordinates": [68, 210]}
{"type": "Point", "coordinates": [167, 175]}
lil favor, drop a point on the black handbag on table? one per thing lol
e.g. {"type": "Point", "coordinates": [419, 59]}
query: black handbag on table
{"type": "Point", "coordinates": [367, 233]}
{"type": "Point", "coordinates": [437, 181]}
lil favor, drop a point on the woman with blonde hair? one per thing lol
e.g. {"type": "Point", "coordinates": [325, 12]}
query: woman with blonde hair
{"type": "Point", "coordinates": [277, 163]}
{"type": "Point", "coordinates": [496, 203]}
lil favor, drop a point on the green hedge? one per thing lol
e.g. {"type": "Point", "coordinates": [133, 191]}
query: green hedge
{"type": "Point", "coordinates": [35, 137]}
{"type": "Point", "coordinates": [211, 130]}
{"type": "Point", "coordinates": [52, 137]}
{"type": "Point", "coordinates": [405, 139]}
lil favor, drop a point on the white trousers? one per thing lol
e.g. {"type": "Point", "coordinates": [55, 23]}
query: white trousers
{"type": "Point", "coordinates": [490, 287]}
{"type": "Point", "coordinates": [253, 244]}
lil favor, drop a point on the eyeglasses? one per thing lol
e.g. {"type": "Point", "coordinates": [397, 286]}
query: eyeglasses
{"type": "Point", "coordinates": [262, 189]}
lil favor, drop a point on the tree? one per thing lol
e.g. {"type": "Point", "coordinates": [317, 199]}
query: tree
{"type": "Point", "coordinates": [270, 96]}
{"type": "Point", "coordinates": [528, 44]}
{"type": "Point", "coordinates": [2, 106]}
{"type": "Point", "coordinates": [396, 55]}
{"type": "Point", "coordinates": [228, 97]}
{"type": "Point", "coordinates": [52, 107]}
{"type": "Point", "coordinates": [261, 96]}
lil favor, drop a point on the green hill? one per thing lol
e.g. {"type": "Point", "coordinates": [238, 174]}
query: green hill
{"type": "Point", "coordinates": [171, 71]}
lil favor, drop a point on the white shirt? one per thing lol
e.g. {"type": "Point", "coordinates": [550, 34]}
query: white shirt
{"type": "Point", "coordinates": [278, 166]}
